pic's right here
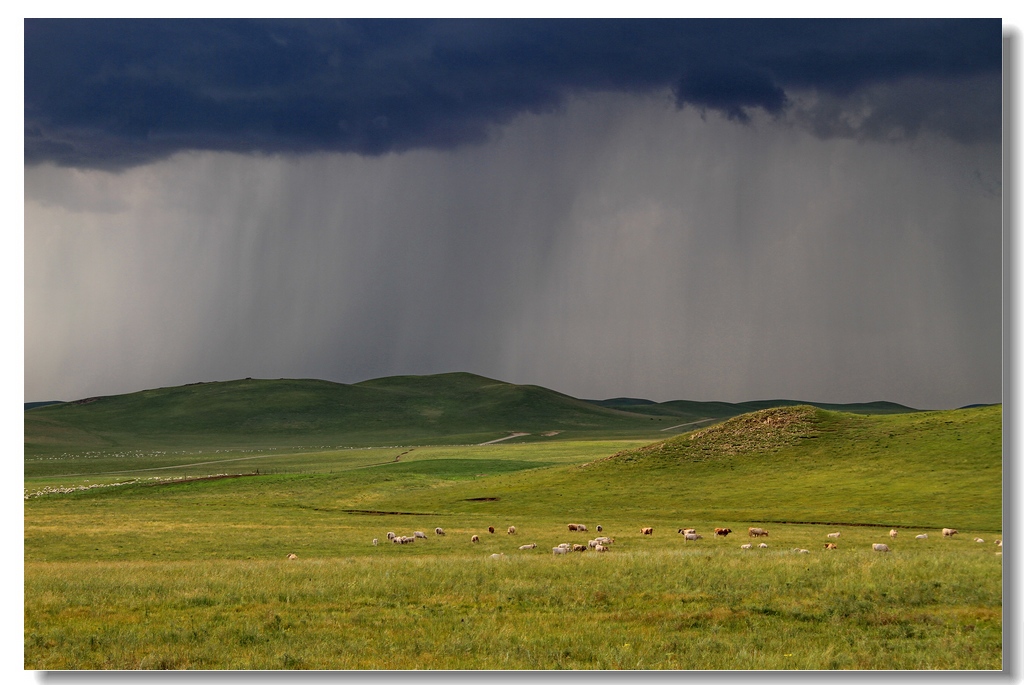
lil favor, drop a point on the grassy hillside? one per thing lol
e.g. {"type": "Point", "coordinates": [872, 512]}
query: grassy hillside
{"type": "Point", "coordinates": [454, 408]}
{"type": "Point", "coordinates": [796, 464]}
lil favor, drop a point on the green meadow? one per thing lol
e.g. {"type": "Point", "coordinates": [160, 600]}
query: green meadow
{"type": "Point", "coordinates": [139, 556]}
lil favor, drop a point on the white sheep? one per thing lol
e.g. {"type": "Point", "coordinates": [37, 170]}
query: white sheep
{"type": "Point", "coordinates": [763, 545]}
{"type": "Point", "coordinates": [529, 546]}
{"type": "Point", "coordinates": [375, 542]}
{"type": "Point", "coordinates": [922, 536]}
{"type": "Point", "coordinates": [746, 546]}
{"type": "Point", "coordinates": [880, 547]}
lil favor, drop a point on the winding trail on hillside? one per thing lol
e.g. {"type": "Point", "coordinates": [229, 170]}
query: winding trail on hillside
{"type": "Point", "coordinates": [507, 437]}
{"type": "Point", "coordinates": [692, 423]}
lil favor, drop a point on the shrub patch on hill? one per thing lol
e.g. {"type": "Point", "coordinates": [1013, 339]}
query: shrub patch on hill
{"type": "Point", "coordinates": [768, 430]}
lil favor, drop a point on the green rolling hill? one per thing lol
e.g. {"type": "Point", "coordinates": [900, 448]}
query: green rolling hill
{"type": "Point", "coordinates": [798, 464]}
{"type": "Point", "coordinates": [454, 408]}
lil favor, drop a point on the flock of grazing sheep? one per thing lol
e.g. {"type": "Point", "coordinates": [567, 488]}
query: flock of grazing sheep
{"type": "Point", "coordinates": [602, 543]}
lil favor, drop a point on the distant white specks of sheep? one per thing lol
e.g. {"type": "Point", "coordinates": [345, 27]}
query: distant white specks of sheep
{"type": "Point", "coordinates": [475, 538]}
{"type": "Point", "coordinates": [532, 545]}
{"type": "Point", "coordinates": [375, 542]}
{"type": "Point", "coordinates": [746, 546]}
{"type": "Point", "coordinates": [511, 530]}
{"type": "Point", "coordinates": [763, 545]}
{"type": "Point", "coordinates": [439, 531]}
{"type": "Point", "coordinates": [833, 535]}
{"type": "Point", "coordinates": [922, 536]}
{"type": "Point", "coordinates": [949, 532]}
{"type": "Point", "coordinates": [559, 550]}
{"type": "Point", "coordinates": [419, 534]}
{"type": "Point", "coordinates": [880, 547]}
{"type": "Point", "coordinates": [893, 533]}
{"type": "Point", "coordinates": [292, 557]}
{"type": "Point", "coordinates": [499, 555]}
{"type": "Point", "coordinates": [978, 540]}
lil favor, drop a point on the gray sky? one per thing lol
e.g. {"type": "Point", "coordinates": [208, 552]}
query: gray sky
{"type": "Point", "coordinates": [611, 243]}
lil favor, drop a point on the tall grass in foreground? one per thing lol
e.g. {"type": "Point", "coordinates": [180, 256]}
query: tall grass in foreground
{"type": "Point", "coordinates": [678, 609]}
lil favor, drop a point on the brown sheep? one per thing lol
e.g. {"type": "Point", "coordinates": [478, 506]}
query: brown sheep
{"type": "Point", "coordinates": [647, 531]}
{"type": "Point", "coordinates": [490, 529]}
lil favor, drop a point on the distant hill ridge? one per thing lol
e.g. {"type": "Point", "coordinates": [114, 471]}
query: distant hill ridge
{"type": "Point", "coordinates": [451, 407]}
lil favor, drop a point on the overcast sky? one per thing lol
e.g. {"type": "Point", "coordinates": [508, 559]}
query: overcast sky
{"type": "Point", "coordinates": [671, 209]}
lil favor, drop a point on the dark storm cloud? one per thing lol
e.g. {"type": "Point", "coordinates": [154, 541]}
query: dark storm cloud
{"type": "Point", "coordinates": [118, 93]}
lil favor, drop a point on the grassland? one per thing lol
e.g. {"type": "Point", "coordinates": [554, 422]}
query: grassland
{"type": "Point", "coordinates": [191, 573]}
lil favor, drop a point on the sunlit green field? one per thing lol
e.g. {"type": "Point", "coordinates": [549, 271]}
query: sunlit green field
{"type": "Point", "coordinates": [165, 573]}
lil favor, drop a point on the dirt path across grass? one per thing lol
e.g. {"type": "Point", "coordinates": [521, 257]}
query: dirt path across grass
{"type": "Point", "coordinates": [507, 437]}
{"type": "Point", "coordinates": [692, 423]}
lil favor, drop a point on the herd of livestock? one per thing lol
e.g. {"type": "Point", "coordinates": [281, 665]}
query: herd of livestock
{"type": "Point", "coordinates": [602, 543]}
